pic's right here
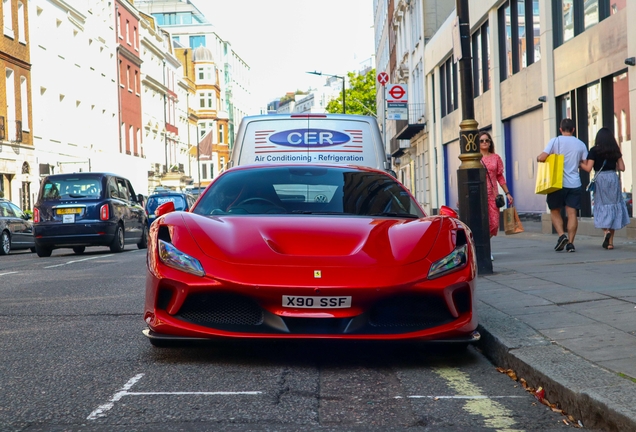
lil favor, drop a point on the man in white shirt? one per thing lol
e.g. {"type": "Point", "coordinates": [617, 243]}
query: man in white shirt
{"type": "Point", "coordinates": [574, 151]}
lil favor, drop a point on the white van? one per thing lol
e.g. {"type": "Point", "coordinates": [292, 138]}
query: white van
{"type": "Point", "coordinates": [313, 138]}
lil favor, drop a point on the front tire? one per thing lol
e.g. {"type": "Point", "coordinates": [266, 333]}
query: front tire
{"type": "Point", "coordinates": [42, 251]}
{"type": "Point", "coordinates": [79, 249]}
{"type": "Point", "coordinates": [118, 241]}
{"type": "Point", "coordinates": [143, 243]}
{"type": "Point", "coordinates": [5, 243]}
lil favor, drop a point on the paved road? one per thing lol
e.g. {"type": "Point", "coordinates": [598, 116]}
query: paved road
{"type": "Point", "coordinates": [73, 358]}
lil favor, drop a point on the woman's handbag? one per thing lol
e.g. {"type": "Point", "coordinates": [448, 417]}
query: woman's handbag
{"type": "Point", "coordinates": [512, 223]}
{"type": "Point", "coordinates": [550, 174]}
{"type": "Point", "coordinates": [500, 200]}
{"type": "Point", "coordinates": [591, 187]}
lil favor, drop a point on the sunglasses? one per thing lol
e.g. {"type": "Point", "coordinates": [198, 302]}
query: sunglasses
{"type": "Point", "coordinates": [484, 140]}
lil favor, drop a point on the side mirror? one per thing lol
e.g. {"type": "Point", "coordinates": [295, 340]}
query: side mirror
{"type": "Point", "coordinates": [27, 216]}
{"type": "Point", "coordinates": [140, 198]}
{"type": "Point", "coordinates": [393, 173]}
{"type": "Point", "coordinates": [165, 208]}
{"type": "Point", "coordinates": [447, 211]}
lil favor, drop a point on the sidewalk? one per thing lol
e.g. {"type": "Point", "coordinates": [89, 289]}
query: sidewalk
{"type": "Point", "coordinates": [565, 321]}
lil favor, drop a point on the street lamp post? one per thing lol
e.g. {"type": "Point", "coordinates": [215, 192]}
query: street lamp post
{"type": "Point", "coordinates": [471, 174]}
{"type": "Point", "coordinates": [344, 109]}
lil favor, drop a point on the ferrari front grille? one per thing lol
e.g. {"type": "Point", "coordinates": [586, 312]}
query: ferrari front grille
{"type": "Point", "coordinates": [410, 311]}
{"type": "Point", "coordinates": [220, 309]}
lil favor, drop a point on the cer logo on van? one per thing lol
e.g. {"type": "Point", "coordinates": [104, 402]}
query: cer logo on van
{"type": "Point", "coordinates": [309, 138]}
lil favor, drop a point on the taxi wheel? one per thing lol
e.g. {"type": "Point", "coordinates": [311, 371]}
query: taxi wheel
{"type": "Point", "coordinates": [5, 243]}
{"type": "Point", "coordinates": [143, 243]}
{"type": "Point", "coordinates": [43, 252]}
{"type": "Point", "coordinates": [118, 241]}
{"type": "Point", "coordinates": [79, 249]}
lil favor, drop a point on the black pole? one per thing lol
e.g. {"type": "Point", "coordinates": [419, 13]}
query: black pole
{"type": "Point", "coordinates": [344, 110]}
{"type": "Point", "coordinates": [471, 174]}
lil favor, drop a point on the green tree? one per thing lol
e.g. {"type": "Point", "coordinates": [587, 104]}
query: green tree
{"type": "Point", "coordinates": [359, 97]}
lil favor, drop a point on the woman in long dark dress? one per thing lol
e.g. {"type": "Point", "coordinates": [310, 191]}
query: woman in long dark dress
{"type": "Point", "coordinates": [610, 212]}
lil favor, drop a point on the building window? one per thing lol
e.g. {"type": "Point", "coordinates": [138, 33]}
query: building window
{"type": "Point", "coordinates": [11, 105]}
{"type": "Point", "coordinates": [119, 26]}
{"type": "Point", "coordinates": [128, 78]}
{"type": "Point", "coordinates": [204, 171]}
{"type": "Point", "coordinates": [7, 18]}
{"type": "Point", "coordinates": [137, 83]}
{"type": "Point", "coordinates": [197, 41]}
{"type": "Point", "coordinates": [573, 17]}
{"type": "Point", "coordinates": [24, 99]}
{"type": "Point", "coordinates": [21, 23]}
{"type": "Point", "coordinates": [519, 43]}
{"type": "Point", "coordinates": [448, 86]}
{"type": "Point", "coordinates": [221, 134]}
{"type": "Point", "coordinates": [481, 59]}
{"type": "Point", "coordinates": [128, 32]}
{"type": "Point", "coordinates": [135, 39]}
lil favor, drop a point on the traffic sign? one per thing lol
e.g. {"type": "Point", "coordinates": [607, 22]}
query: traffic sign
{"type": "Point", "coordinates": [397, 102]}
{"type": "Point", "coordinates": [383, 78]}
{"type": "Point", "coordinates": [396, 93]}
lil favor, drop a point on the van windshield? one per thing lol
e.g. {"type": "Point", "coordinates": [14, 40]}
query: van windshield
{"type": "Point", "coordinates": [71, 187]}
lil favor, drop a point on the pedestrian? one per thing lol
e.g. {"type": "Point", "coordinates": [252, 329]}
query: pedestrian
{"type": "Point", "coordinates": [610, 211]}
{"type": "Point", "coordinates": [574, 152]}
{"type": "Point", "coordinates": [494, 176]}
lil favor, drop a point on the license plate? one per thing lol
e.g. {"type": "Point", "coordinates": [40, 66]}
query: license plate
{"type": "Point", "coordinates": [317, 302]}
{"type": "Point", "coordinates": [63, 211]}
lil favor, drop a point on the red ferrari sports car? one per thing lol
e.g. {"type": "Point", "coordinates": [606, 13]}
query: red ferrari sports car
{"type": "Point", "coordinates": [309, 251]}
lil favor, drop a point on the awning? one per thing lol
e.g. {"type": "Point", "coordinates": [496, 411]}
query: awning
{"type": "Point", "coordinates": [410, 130]}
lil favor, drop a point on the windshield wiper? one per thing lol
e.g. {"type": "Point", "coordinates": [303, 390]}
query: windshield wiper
{"type": "Point", "coordinates": [76, 196]}
{"type": "Point", "coordinates": [395, 214]}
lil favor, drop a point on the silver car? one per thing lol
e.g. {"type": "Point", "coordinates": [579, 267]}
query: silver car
{"type": "Point", "coordinates": [16, 228]}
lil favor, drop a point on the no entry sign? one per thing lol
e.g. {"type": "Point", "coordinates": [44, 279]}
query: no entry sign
{"type": "Point", "coordinates": [383, 78]}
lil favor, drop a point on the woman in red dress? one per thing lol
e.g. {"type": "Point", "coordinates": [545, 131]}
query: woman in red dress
{"type": "Point", "coordinates": [494, 176]}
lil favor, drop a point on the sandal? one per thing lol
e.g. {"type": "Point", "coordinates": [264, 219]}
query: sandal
{"type": "Point", "coordinates": [610, 246]}
{"type": "Point", "coordinates": [606, 241]}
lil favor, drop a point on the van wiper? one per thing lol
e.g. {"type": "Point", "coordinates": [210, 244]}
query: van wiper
{"type": "Point", "coordinates": [395, 214]}
{"type": "Point", "coordinates": [76, 196]}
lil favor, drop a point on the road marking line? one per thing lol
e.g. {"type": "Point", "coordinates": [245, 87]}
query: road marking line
{"type": "Point", "coordinates": [494, 414]}
{"type": "Point", "coordinates": [7, 273]}
{"type": "Point", "coordinates": [101, 410]}
{"type": "Point", "coordinates": [461, 397]}
{"type": "Point", "coordinates": [80, 260]}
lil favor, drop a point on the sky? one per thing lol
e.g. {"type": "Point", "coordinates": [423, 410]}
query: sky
{"type": "Point", "coordinates": [281, 40]}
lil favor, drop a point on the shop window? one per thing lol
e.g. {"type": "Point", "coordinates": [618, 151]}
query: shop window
{"type": "Point", "coordinates": [481, 60]}
{"type": "Point", "coordinates": [448, 84]}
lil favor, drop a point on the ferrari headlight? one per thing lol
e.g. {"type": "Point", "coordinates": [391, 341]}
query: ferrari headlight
{"type": "Point", "coordinates": [173, 257]}
{"type": "Point", "coordinates": [450, 263]}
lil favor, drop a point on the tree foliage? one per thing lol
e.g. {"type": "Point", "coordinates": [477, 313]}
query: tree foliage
{"type": "Point", "coordinates": [359, 97]}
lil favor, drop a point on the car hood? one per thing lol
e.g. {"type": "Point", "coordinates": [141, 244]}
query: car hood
{"type": "Point", "coordinates": [327, 240]}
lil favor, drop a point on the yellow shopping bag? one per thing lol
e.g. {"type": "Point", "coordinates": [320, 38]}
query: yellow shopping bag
{"type": "Point", "coordinates": [550, 175]}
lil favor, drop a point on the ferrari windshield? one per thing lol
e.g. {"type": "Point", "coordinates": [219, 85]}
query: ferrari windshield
{"type": "Point", "coordinates": [308, 190]}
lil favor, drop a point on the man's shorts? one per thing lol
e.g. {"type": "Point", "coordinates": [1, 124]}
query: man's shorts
{"type": "Point", "coordinates": [570, 197]}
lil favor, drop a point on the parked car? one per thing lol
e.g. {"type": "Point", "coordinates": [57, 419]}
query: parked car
{"type": "Point", "coordinates": [88, 209]}
{"type": "Point", "coordinates": [309, 251]}
{"type": "Point", "coordinates": [629, 203]}
{"type": "Point", "coordinates": [16, 228]}
{"type": "Point", "coordinates": [182, 201]}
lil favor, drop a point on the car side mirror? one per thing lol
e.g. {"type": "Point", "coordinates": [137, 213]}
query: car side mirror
{"type": "Point", "coordinates": [165, 208]}
{"type": "Point", "coordinates": [447, 211]}
{"type": "Point", "coordinates": [140, 198]}
{"type": "Point", "coordinates": [27, 216]}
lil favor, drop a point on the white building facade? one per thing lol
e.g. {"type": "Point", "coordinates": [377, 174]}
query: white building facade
{"type": "Point", "coordinates": [74, 86]}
